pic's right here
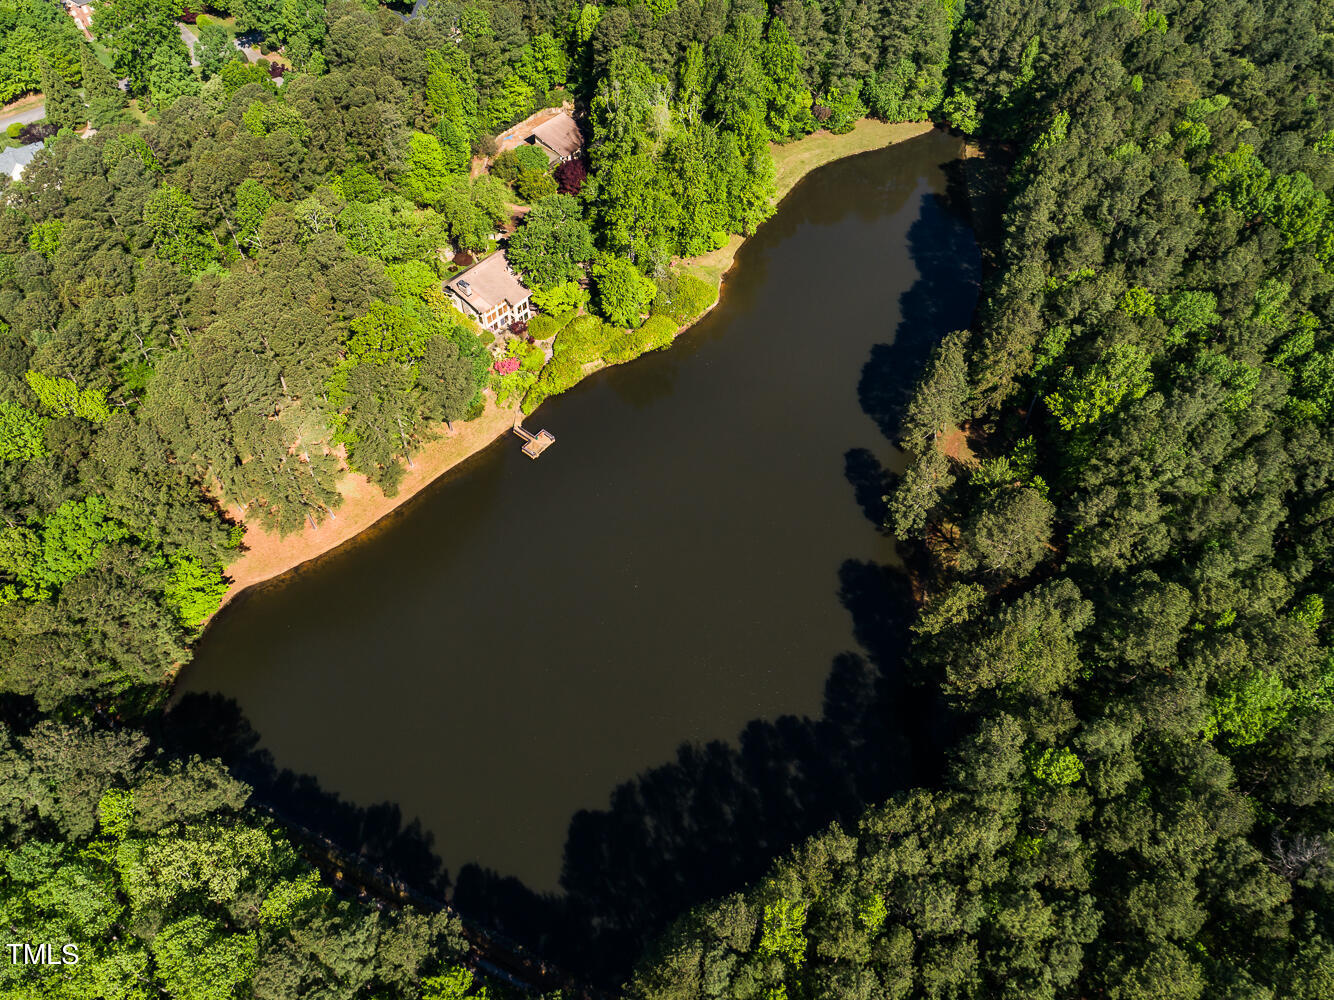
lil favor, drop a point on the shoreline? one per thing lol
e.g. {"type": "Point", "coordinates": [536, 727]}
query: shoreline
{"type": "Point", "coordinates": [793, 162]}
{"type": "Point", "coordinates": [268, 556]}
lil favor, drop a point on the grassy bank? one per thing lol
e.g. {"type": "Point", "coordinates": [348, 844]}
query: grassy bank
{"type": "Point", "coordinates": [794, 161]}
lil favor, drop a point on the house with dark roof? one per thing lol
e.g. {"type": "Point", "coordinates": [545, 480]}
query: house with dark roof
{"type": "Point", "coordinates": [490, 293]}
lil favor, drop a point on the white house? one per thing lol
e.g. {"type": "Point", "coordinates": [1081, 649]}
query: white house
{"type": "Point", "coordinates": [490, 293]}
{"type": "Point", "coordinates": [14, 161]}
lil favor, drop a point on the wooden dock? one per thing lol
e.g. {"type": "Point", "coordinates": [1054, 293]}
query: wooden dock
{"type": "Point", "coordinates": [534, 444]}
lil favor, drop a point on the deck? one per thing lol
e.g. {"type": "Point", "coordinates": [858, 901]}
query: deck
{"type": "Point", "coordinates": [534, 444]}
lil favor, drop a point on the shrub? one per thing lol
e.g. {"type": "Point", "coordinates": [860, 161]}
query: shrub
{"type": "Point", "coordinates": [14, 129]}
{"type": "Point", "coordinates": [38, 132]}
{"type": "Point", "coordinates": [570, 176]}
{"type": "Point", "coordinates": [657, 332]}
{"type": "Point", "coordinates": [683, 297]}
{"type": "Point", "coordinates": [534, 185]}
{"type": "Point", "coordinates": [532, 358]}
{"type": "Point", "coordinates": [509, 165]}
{"type": "Point", "coordinates": [624, 346]}
{"type": "Point", "coordinates": [544, 327]}
{"type": "Point", "coordinates": [532, 399]}
{"type": "Point", "coordinates": [844, 108]}
{"type": "Point", "coordinates": [559, 374]}
{"type": "Point", "coordinates": [486, 338]}
{"type": "Point", "coordinates": [583, 340]}
{"type": "Point", "coordinates": [508, 388]}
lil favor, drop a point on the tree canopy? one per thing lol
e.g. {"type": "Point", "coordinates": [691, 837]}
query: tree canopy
{"type": "Point", "coordinates": [229, 295]}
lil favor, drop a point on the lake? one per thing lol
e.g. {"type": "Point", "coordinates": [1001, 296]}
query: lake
{"type": "Point", "coordinates": [669, 647]}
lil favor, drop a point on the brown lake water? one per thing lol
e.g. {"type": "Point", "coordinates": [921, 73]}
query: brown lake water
{"type": "Point", "coordinates": [657, 655]}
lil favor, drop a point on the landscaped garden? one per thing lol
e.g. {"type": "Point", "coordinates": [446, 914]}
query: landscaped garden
{"type": "Point", "coordinates": [582, 343]}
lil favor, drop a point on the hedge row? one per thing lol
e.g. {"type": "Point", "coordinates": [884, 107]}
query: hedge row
{"type": "Point", "coordinates": [657, 332]}
{"type": "Point", "coordinates": [559, 374]}
{"type": "Point", "coordinates": [585, 339]}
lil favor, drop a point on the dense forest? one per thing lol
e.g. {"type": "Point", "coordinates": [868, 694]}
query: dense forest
{"type": "Point", "coordinates": [226, 290]}
{"type": "Point", "coordinates": [1121, 497]}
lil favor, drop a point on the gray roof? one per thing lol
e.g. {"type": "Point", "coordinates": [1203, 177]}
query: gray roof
{"type": "Point", "coordinates": [560, 135]}
{"type": "Point", "coordinates": [12, 161]}
{"type": "Point", "coordinates": [488, 283]}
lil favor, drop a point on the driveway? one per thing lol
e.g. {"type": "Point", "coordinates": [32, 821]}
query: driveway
{"type": "Point", "coordinates": [190, 40]}
{"type": "Point", "coordinates": [25, 116]}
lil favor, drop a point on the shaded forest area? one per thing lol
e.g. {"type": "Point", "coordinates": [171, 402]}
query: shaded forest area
{"type": "Point", "coordinates": [1127, 583]}
{"type": "Point", "coordinates": [231, 290]}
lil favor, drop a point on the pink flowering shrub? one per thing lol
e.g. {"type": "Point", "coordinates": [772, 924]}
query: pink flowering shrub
{"type": "Point", "coordinates": [507, 366]}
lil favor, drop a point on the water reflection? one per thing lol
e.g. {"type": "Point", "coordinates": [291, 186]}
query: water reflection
{"type": "Point", "coordinates": [540, 670]}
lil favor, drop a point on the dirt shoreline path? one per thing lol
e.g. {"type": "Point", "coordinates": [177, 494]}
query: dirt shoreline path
{"type": "Point", "coordinates": [268, 555]}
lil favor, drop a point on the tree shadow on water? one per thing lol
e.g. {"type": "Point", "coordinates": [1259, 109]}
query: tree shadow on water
{"type": "Point", "coordinates": [942, 299]}
{"type": "Point", "coordinates": [213, 725]}
{"type": "Point", "coordinates": [700, 826]}
{"type": "Point", "coordinates": [713, 820]}
{"type": "Point", "coordinates": [871, 482]}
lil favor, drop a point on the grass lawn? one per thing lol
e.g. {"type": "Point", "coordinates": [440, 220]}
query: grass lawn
{"type": "Point", "coordinates": [102, 53]}
{"type": "Point", "coordinates": [794, 161]}
{"type": "Point", "coordinates": [228, 22]}
{"type": "Point", "coordinates": [713, 265]}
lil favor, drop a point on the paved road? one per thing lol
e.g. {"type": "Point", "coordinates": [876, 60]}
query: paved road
{"type": "Point", "coordinates": [32, 114]}
{"type": "Point", "coordinates": [190, 40]}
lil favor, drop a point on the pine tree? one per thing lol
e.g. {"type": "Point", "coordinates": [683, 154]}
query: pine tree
{"type": "Point", "coordinates": [97, 79]}
{"type": "Point", "coordinates": [64, 107]}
